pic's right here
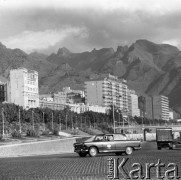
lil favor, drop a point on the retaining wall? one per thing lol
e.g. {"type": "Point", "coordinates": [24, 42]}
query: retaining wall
{"type": "Point", "coordinates": [38, 148]}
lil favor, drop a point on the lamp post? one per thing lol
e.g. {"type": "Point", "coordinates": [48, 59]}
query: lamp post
{"type": "Point", "coordinates": [3, 120]}
{"type": "Point", "coordinates": [60, 123]}
{"type": "Point", "coordinates": [142, 118]}
{"type": "Point", "coordinates": [52, 120]}
{"type": "Point", "coordinates": [66, 121]}
{"type": "Point", "coordinates": [33, 118]}
{"type": "Point", "coordinates": [19, 121]}
{"type": "Point", "coordinates": [44, 120]}
{"type": "Point", "coordinates": [113, 117]}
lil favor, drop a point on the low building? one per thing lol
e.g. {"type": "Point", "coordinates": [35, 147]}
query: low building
{"type": "Point", "coordinates": [81, 108]}
{"type": "Point", "coordinates": [51, 105]}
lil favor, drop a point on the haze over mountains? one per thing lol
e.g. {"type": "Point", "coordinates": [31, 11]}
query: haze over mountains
{"type": "Point", "coordinates": [149, 68]}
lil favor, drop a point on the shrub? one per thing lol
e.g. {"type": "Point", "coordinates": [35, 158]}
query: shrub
{"type": "Point", "coordinates": [56, 132]}
{"type": "Point", "coordinates": [16, 134]}
{"type": "Point", "coordinates": [32, 133]}
{"type": "Point", "coordinates": [45, 133]}
{"type": "Point", "coordinates": [1, 136]}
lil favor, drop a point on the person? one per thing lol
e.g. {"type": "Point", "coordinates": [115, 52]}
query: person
{"type": "Point", "coordinates": [109, 138]}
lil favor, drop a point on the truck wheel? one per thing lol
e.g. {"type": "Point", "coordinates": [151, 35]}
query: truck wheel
{"type": "Point", "coordinates": [82, 154]}
{"type": "Point", "coordinates": [118, 153]}
{"type": "Point", "coordinates": [170, 146]}
{"type": "Point", "coordinates": [129, 150]}
{"type": "Point", "coordinates": [159, 148]}
{"type": "Point", "coordinates": [93, 151]}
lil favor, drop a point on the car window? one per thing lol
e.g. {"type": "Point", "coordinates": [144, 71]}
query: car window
{"type": "Point", "coordinates": [90, 139]}
{"type": "Point", "coordinates": [99, 138]}
{"type": "Point", "coordinates": [119, 137]}
{"type": "Point", "coordinates": [109, 138]}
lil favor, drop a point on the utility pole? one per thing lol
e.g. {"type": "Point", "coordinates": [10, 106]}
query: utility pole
{"type": "Point", "coordinates": [119, 118]}
{"type": "Point", "coordinates": [66, 121]}
{"type": "Point", "coordinates": [3, 120]}
{"type": "Point", "coordinates": [60, 123]}
{"type": "Point", "coordinates": [113, 117]}
{"type": "Point", "coordinates": [44, 120]}
{"type": "Point", "coordinates": [19, 120]}
{"type": "Point", "coordinates": [81, 121]}
{"type": "Point", "coordinates": [33, 119]}
{"type": "Point", "coordinates": [52, 121]}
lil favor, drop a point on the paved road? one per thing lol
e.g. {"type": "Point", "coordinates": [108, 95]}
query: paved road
{"type": "Point", "coordinates": [70, 166]}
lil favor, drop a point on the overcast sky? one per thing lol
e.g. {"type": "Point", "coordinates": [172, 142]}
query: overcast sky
{"type": "Point", "coordinates": [81, 25]}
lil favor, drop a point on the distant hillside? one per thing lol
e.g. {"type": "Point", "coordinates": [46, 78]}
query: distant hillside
{"type": "Point", "coordinates": [148, 67]}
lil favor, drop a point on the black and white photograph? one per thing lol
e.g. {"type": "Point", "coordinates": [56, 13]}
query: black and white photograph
{"type": "Point", "coordinates": [90, 89]}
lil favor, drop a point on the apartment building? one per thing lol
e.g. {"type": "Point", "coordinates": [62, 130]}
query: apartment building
{"type": "Point", "coordinates": [106, 92]}
{"type": "Point", "coordinates": [133, 103]}
{"type": "Point", "coordinates": [23, 88]}
{"type": "Point", "coordinates": [3, 92]}
{"type": "Point", "coordinates": [160, 107]}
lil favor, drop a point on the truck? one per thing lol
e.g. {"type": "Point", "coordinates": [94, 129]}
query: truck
{"type": "Point", "coordinates": [164, 138]}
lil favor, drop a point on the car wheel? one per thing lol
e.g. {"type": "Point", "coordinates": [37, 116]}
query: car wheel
{"type": "Point", "coordinates": [82, 154]}
{"type": "Point", "coordinates": [129, 150]}
{"type": "Point", "coordinates": [118, 153]}
{"type": "Point", "coordinates": [93, 151]}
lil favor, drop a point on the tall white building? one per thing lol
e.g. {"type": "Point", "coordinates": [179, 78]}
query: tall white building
{"type": "Point", "coordinates": [133, 103]}
{"type": "Point", "coordinates": [23, 88]}
{"type": "Point", "coordinates": [106, 92]}
{"type": "Point", "coordinates": [160, 107]}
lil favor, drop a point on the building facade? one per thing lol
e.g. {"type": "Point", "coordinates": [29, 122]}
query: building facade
{"type": "Point", "coordinates": [160, 107]}
{"type": "Point", "coordinates": [23, 88]}
{"type": "Point", "coordinates": [3, 92]}
{"type": "Point", "coordinates": [133, 103]}
{"type": "Point", "coordinates": [106, 92]}
{"type": "Point", "coordinates": [81, 108]}
{"type": "Point", "coordinates": [149, 107]}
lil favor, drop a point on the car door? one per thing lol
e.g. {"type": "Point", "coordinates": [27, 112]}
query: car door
{"type": "Point", "coordinates": [120, 142]}
{"type": "Point", "coordinates": [108, 145]}
{"type": "Point", "coordinates": [99, 139]}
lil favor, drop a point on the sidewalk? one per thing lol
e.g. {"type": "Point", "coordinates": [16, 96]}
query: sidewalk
{"type": "Point", "coordinates": [36, 146]}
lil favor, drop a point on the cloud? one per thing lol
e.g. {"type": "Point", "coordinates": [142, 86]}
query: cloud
{"type": "Point", "coordinates": [41, 40]}
{"type": "Point", "coordinates": [83, 25]}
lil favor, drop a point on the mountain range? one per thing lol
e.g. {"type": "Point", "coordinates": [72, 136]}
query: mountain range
{"type": "Point", "coordinates": [149, 68]}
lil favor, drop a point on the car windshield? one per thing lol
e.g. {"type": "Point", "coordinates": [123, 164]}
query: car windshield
{"type": "Point", "coordinates": [90, 139]}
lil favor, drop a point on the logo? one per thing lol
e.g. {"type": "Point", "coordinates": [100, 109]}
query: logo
{"type": "Point", "coordinates": [118, 168]}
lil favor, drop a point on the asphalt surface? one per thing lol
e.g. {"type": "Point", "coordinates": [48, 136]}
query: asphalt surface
{"type": "Point", "coordinates": [71, 166]}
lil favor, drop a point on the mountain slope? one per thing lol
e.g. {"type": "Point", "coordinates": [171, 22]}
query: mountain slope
{"type": "Point", "coordinates": [149, 68]}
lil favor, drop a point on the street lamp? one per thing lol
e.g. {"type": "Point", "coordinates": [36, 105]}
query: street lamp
{"type": "Point", "coordinates": [66, 121]}
{"type": "Point", "coordinates": [19, 122]}
{"type": "Point", "coordinates": [33, 118]}
{"type": "Point", "coordinates": [3, 120]}
{"type": "Point", "coordinates": [52, 120]}
{"type": "Point", "coordinates": [60, 123]}
{"type": "Point", "coordinates": [113, 117]}
{"type": "Point", "coordinates": [44, 120]}
{"type": "Point", "coordinates": [142, 118]}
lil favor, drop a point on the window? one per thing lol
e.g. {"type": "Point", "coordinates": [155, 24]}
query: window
{"type": "Point", "coordinates": [99, 138]}
{"type": "Point", "coordinates": [119, 137]}
{"type": "Point", "coordinates": [109, 138]}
